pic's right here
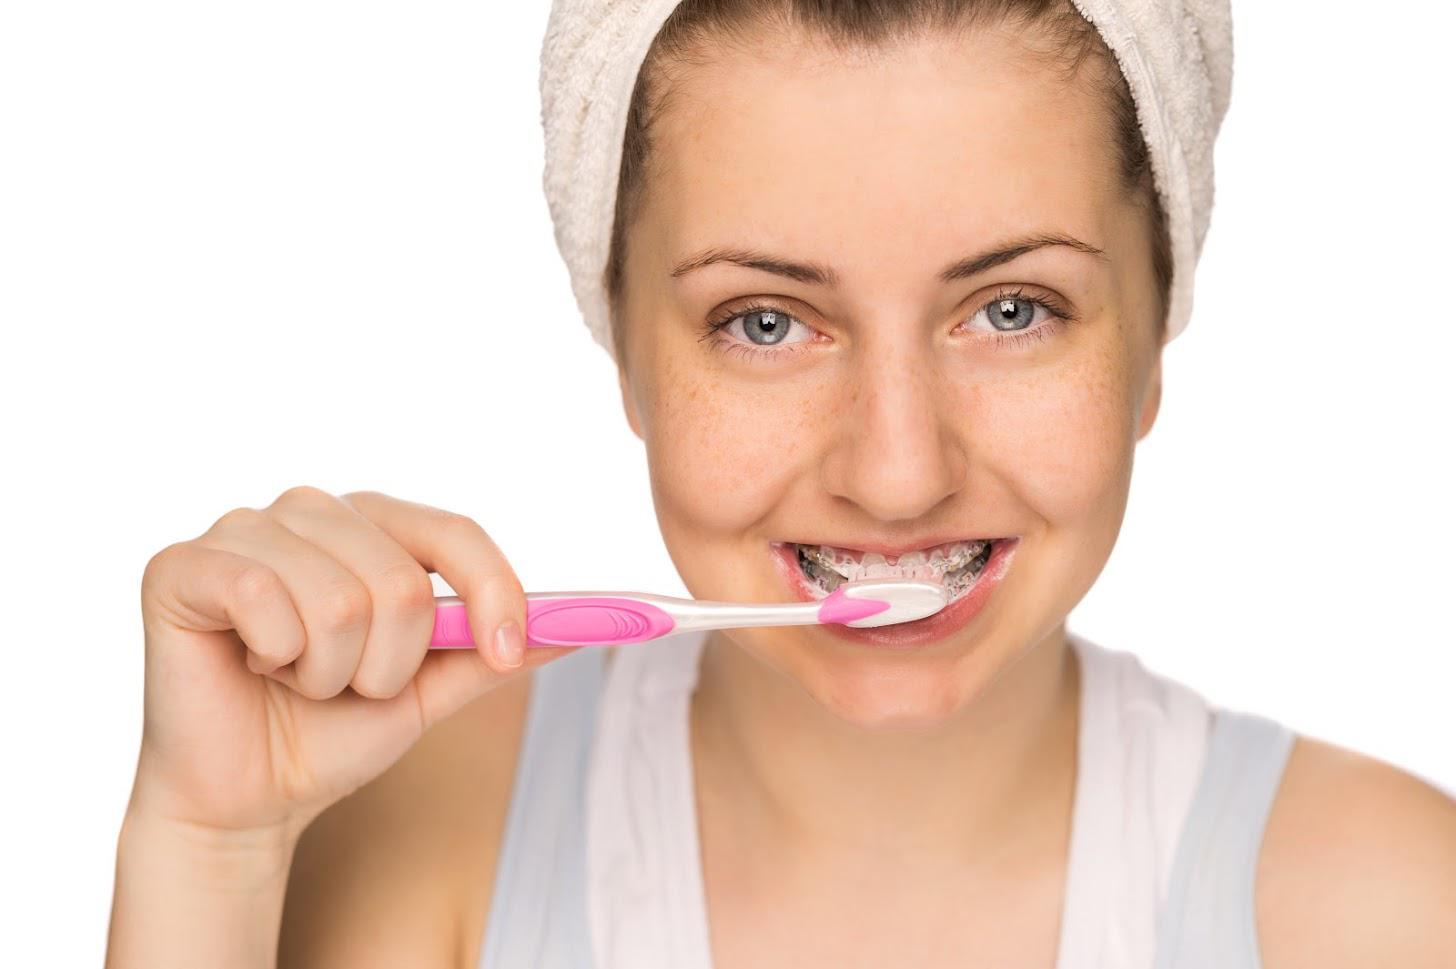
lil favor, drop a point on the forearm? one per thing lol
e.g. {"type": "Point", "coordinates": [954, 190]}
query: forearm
{"type": "Point", "coordinates": [188, 897]}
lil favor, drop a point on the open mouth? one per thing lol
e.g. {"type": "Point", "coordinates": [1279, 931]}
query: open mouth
{"type": "Point", "coordinates": [957, 565]}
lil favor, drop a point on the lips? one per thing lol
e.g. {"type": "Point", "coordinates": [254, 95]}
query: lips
{"type": "Point", "coordinates": [921, 632]}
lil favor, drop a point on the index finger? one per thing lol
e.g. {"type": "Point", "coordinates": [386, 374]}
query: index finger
{"type": "Point", "coordinates": [462, 553]}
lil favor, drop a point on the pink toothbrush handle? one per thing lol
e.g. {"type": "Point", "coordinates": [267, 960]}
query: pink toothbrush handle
{"type": "Point", "coordinates": [574, 621]}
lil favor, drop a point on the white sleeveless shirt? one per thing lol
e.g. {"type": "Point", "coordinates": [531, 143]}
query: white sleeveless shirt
{"type": "Point", "coordinates": [600, 866]}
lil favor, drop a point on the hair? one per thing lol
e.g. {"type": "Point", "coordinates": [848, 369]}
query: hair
{"type": "Point", "coordinates": [698, 26]}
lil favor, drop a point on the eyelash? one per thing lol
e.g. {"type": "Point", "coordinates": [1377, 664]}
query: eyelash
{"type": "Point", "coordinates": [714, 327]}
{"type": "Point", "coordinates": [1060, 315]}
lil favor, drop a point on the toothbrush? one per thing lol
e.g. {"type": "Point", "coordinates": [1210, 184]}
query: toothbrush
{"type": "Point", "coordinates": [619, 618]}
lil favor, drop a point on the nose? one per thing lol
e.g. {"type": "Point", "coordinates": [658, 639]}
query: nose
{"type": "Point", "coordinates": [897, 452]}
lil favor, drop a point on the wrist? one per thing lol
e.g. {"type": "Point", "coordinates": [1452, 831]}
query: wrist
{"type": "Point", "coordinates": [239, 859]}
{"type": "Point", "coordinates": [190, 895]}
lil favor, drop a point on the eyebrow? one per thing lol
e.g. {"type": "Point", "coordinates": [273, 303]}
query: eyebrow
{"type": "Point", "coordinates": [821, 275]}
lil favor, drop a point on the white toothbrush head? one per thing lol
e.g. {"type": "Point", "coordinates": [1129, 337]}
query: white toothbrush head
{"type": "Point", "coordinates": [882, 602]}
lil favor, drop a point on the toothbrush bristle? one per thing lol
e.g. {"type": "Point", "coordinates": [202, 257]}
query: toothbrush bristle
{"type": "Point", "coordinates": [909, 600]}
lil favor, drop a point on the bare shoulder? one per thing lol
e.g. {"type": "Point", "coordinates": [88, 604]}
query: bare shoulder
{"type": "Point", "coordinates": [1357, 866]}
{"type": "Point", "coordinates": [400, 872]}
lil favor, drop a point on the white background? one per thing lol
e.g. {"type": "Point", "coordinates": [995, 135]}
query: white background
{"type": "Point", "coordinates": [247, 246]}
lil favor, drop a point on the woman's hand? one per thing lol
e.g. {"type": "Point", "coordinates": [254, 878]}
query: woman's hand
{"type": "Point", "coordinates": [287, 664]}
{"type": "Point", "coordinates": [287, 656]}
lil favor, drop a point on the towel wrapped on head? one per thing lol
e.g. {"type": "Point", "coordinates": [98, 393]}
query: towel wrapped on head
{"type": "Point", "coordinates": [1177, 56]}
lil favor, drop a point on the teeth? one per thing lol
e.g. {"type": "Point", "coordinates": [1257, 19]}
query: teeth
{"type": "Point", "coordinates": [912, 560]}
{"type": "Point", "coordinates": [828, 566]}
{"type": "Point", "coordinates": [873, 564]}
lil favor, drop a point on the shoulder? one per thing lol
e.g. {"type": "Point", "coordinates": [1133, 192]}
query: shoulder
{"type": "Point", "coordinates": [1357, 865]}
{"type": "Point", "coordinates": [400, 871]}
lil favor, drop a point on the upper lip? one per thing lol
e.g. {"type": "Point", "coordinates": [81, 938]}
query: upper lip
{"type": "Point", "coordinates": [889, 549]}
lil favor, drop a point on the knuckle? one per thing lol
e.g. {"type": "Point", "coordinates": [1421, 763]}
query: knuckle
{"type": "Point", "coordinates": [238, 519]}
{"type": "Point", "coordinates": [507, 601]}
{"type": "Point", "coordinates": [502, 584]}
{"type": "Point", "coordinates": [159, 564]}
{"type": "Point", "coordinates": [343, 609]}
{"type": "Point", "coordinates": [405, 589]}
{"type": "Point", "coordinates": [255, 583]}
{"type": "Point", "coordinates": [457, 526]}
{"type": "Point", "coordinates": [303, 495]}
{"type": "Point", "coordinates": [349, 498]}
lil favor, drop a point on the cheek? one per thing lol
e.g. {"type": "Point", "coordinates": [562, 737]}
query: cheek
{"type": "Point", "coordinates": [722, 453]}
{"type": "Point", "coordinates": [1061, 441]}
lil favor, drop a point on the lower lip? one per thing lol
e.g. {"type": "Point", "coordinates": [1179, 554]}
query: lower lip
{"type": "Point", "coordinates": [921, 632]}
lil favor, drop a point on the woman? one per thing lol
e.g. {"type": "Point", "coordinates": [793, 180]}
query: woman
{"type": "Point", "coordinates": [882, 281]}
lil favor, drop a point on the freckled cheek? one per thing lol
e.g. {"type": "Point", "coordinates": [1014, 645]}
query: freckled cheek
{"type": "Point", "coordinates": [723, 455]}
{"type": "Point", "coordinates": [1062, 446]}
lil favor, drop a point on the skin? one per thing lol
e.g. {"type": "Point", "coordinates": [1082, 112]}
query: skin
{"type": "Point", "coordinates": [896, 417]}
{"type": "Point", "coordinates": [286, 667]}
{"type": "Point", "coordinates": [900, 421]}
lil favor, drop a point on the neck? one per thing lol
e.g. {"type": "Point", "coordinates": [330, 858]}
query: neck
{"type": "Point", "coordinates": [997, 772]}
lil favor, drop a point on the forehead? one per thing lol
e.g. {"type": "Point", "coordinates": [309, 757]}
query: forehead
{"type": "Point", "coordinates": [933, 143]}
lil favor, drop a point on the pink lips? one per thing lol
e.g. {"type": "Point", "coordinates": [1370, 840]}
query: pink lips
{"type": "Point", "coordinates": [921, 632]}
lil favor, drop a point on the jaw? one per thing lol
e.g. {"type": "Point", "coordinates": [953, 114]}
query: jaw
{"type": "Point", "coordinates": [629, 403]}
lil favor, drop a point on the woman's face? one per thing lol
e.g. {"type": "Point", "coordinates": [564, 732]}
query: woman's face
{"type": "Point", "coordinates": [866, 393]}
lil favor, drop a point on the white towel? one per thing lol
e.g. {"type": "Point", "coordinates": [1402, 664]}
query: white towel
{"type": "Point", "coordinates": [1177, 56]}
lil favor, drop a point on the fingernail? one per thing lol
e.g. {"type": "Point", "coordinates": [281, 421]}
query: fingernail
{"type": "Point", "coordinates": [510, 645]}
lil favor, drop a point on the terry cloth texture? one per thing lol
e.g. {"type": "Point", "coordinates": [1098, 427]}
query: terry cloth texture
{"type": "Point", "coordinates": [1177, 56]}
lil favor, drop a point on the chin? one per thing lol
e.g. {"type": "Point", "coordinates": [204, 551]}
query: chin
{"type": "Point", "coordinates": [915, 676]}
{"type": "Point", "coordinates": [890, 707]}
{"type": "Point", "coordinates": [875, 689]}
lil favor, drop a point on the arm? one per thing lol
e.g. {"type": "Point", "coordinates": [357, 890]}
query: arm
{"type": "Point", "coordinates": [288, 665]}
{"type": "Point", "coordinates": [189, 896]}
{"type": "Point", "coordinates": [398, 873]}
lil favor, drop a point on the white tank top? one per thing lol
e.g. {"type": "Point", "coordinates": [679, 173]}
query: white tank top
{"type": "Point", "coordinates": [600, 864]}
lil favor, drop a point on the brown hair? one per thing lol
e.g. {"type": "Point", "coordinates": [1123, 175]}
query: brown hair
{"type": "Point", "coordinates": [848, 24]}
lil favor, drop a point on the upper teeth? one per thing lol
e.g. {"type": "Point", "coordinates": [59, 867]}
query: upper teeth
{"type": "Point", "coordinates": [921, 563]}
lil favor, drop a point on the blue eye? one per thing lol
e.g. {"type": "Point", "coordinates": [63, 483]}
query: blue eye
{"type": "Point", "coordinates": [764, 327]}
{"type": "Point", "coordinates": [1012, 314]}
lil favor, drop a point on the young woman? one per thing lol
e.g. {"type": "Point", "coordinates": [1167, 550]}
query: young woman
{"type": "Point", "coordinates": [888, 286]}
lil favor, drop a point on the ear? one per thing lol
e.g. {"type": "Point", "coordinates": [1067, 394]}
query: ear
{"type": "Point", "coordinates": [629, 403]}
{"type": "Point", "coordinates": [1152, 397]}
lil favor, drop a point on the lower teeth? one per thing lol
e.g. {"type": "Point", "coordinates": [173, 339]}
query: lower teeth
{"type": "Point", "coordinates": [957, 582]}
